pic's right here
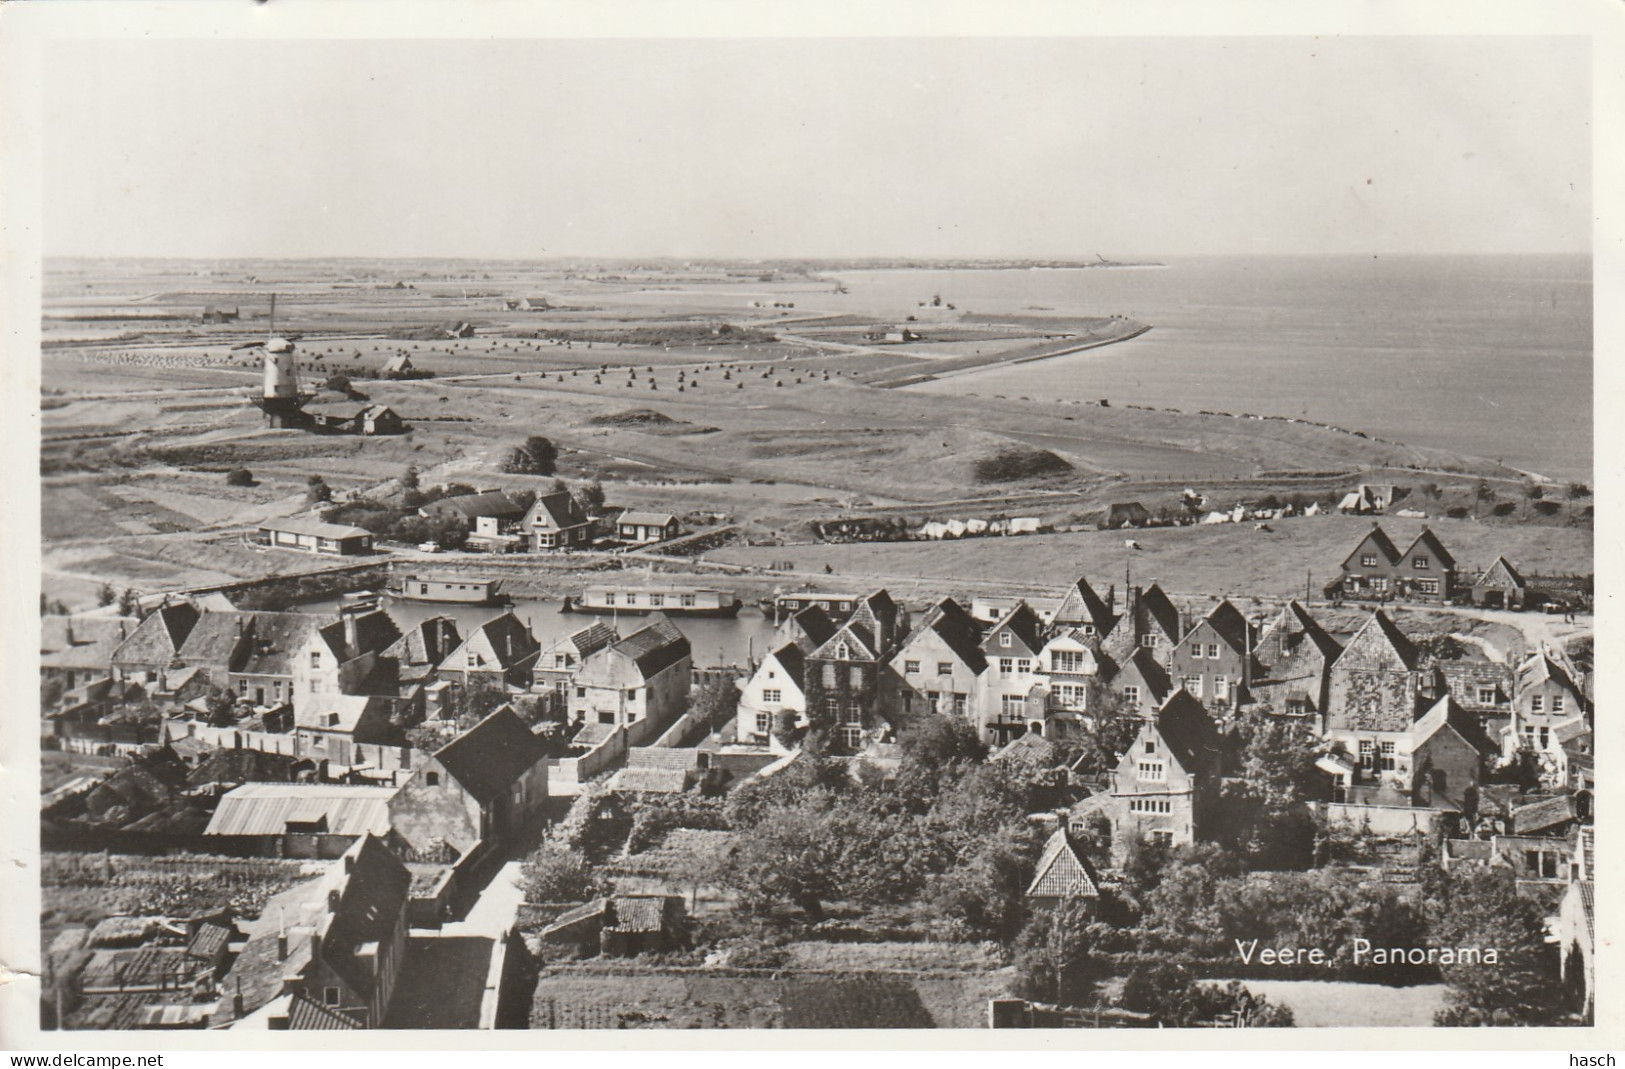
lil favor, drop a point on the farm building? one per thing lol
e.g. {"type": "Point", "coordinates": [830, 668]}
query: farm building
{"type": "Point", "coordinates": [646, 527]}
{"type": "Point", "coordinates": [1500, 587]}
{"type": "Point", "coordinates": [310, 535]}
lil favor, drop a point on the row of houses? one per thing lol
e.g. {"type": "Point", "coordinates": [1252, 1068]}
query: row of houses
{"type": "Point", "coordinates": [1426, 571]}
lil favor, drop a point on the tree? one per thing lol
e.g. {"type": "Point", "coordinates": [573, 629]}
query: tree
{"type": "Point", "coordinates": [222, 707]}
{"type": "Point", "coordinates": [934, 741]}
{"type": "Point", "coordinates": [523, 498]}
{"type": "Point", "coordinates": [316, 490]}
{"type": "Point", "coordinates": [339, 384]}
{"type": "Point", "coordinates": [239, 477]}
{"type": "Point", "coordinates": [1107, 738]}
{"type": "Point", "coordinates": [1576, 491]}
{"type": "Point", "coordinates": [982, 897]}
{"type": "Point", "coordinates": [129, 602]}
{"type": "Point", "coordinates": [790, 854]}
{"type": "Point", "coordinates": [556, 873]}
{"type": "Point", "coordinates": [591, 498]}
{"type": "Point", "coordinates": [410, 480]}
{"type": "Point", "coordinates": [105, 594]}
{"type": "Point", "coordinates": [1481, 908]}
{"type": "Point", "coordinates": [1263, 810]}
{"type": "Point", "coordinates": [1054, 955]}
{"type": "Point", "coordinates": [537, 456]}
{"type": "Point", "coordinates": [717, 702]}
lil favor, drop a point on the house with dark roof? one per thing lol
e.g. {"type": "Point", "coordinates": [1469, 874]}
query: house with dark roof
{"type": "Point", "coordinates": [346, 656]}
{"type": "Point", "coordinates": [486, 504]}
{"type": "Point", "coordinates": [808, 627]}
{"type": "Point", "coordinates": [1063, 874]}
{"type": "Point", "coordinates": [500, 652]}
{"type": "Point", "coordinates": [1081, 609]}
{"type": "Point", "coordinates": [646, 528]}
{"type": "Point", "coordinates": [941, 663]}
{"type": "Point", "coordinates": [1014, 694]}
{"type": "Point", "coordinates": [1545, 695]}
{"type": "Point", "coordinates": [1166, 785]}
{"type": "Point", "coordinates": [155, 643]}
{"type": "Point", "coordinates": [331, 727]}
{"type": "Point", "coordinates": [776, 691]}
{"type": "Point", "coordinates": [1377, 683]}
{"type": "Point", "coordinates": [1142, 684]}
{"type": "Point", "coordinates": [338, 941]}
{"type": "Point", "coordinates": [851, 690]}
{"type": "Point", "coordinates": [1214, 661]}
{"type": "Point", "coordinates": [1368, 571]}
{"type": "Point", "coordinates": [1293, 659]}
{"type": "Point", "coordinates": [1426, 571]}
{"type": "Point", "coordinates": [1150, 621]}
{"type": "Point", "coordinates": [1500, 587]}
{"type": "Point", "coordinates": [310, 534]}
{"type": "Point", "coordinates": [420, 651]}
{"type": "Point", "coordinates": [1377, 569]}
{"type": "Point", "coordinates": [556, 521]}
{"type": "Point", "coordinates": [483, 787]}
{"type": "Point", "coordinates": [640, 682]}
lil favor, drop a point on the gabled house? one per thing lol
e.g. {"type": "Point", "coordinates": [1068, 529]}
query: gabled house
{"type": "Point", "coordinates": [486, 786]}
{"type": "Point", "coordinates": [1013, 700]}
{"type": "Point", "coordinates": [1369, 571]}
{"type": "Point", "coordinates": [1084, 611]}
{"type": "Point", "coordinates": [941, 663]}
{"type": "Point", "coordinates": [1063, 874]}
{"type": "Point", "coordinates": [1500, 587]}
{"type": "Point", "coordinates": [1142, 684]}
{"type": "Point", "coordinates": [1166, 785]}
{"type": "Point", "coordinates": [1294, 658]}
{"type": "Point", "coordinates": [776, 688]}
{"type": "Point", "coordinates": [418, 653]}
{"type": "Point", "coordinates": [1073, 672]}
{"type": "Point", "coordinates": [329, 727]}
{"type": "Point", "coordinates": [1150, 621]}
{"type": "Point", "coordinates": [346, 657]}
{"type": "Point", "coordinates": [338, 941]}
{"type": "Point", "coordinates": [1544, 696]}
{"type": "Point", "coordinates": [1426, 571]}
{"type": "Point", "coordinates": [1214, 661]}
{"type": "Point", "coordinates": [77, 649]}
{"type": "Point", "coordinates": [471, 508]}
{"type": "Point", "coordinates": [155, 643]}
{"type": "Point", "coordinates": [500, 652]}
{"type": "Point", "coordinates": [643, 680]}
{"type": "Point", "coordinates": [556, 521]}
{"type": "Point", "coordinates": [849, 687]}
{"type": "Point", "coordinates": [1377, 685]}
{"type": "Point", "coordinates": [557, 665]}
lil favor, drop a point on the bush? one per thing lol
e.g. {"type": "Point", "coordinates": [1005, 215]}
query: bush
{"type": "Point", "coordinates": [240, 477]}
{"type": "Point", "coordinates": [557, 873]}
{"type": "Point", "coordinates": [1013, 463]}
{"type": "Point", "coordinates": [538, 456]}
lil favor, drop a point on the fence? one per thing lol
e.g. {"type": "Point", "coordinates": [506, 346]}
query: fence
{"type": "Point", "coordinates": [574, 771]}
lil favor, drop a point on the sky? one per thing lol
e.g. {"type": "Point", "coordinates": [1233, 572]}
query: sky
{"type": "Point", "coordinates": [926, 147]}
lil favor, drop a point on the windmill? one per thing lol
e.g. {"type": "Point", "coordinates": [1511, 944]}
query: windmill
{"type": "Point", "coordinates": [280, 399]}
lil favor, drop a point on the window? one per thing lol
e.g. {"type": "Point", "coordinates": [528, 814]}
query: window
{"type": "Point", "coordinates": [1421, 564]}
{"type": "Point", "coordinates": [1213, 651]}
{"type": "Point", "coordinates": [330, 995]}
{"type": "Point", "coordinates": [1427, 586]}
{"type": "Point", "coordinates": [606, 718]}
{"type": "Point", "coordinates": [657, 600]}
{"type": "Point", "coordinates": [687, 601]}
{"type": "Point", "coordinates": [313, 686]}
{"type": "Point", "coordinates": [1486, 695]}
{"type": "Point", "coordinates": [1389, 757]}
{"type": "Point", "coordinates": [959, 703]}
{"type": "Point", "coordinates": [1007, 666]}
{"type": "Point", "coordinates": [631, 599]}
{"type": "Point", "coordinates": [1152, 770]}
{"type": "Point", "coordinates": [1544, 733]}
{"type": "Point", "coordinates": [1194, 685]}
{"type": "Point", "coordinates": [829, 675]}
{"type": "Point", "coordinates": [581, 692]}
{"type": "Point", "coordinates": [1379, 583]}
{"type": "Point", "coordinates": [1004, 638]}
{"type": "Point", "coordinates": [832, 704]}
{"type": "Point", "coordinates": [1162, 836]}
{"type": "Point", "coordinates": [1131, 695]}
{"type": "Point", "coordinates": [1557, 703]}
{"type": "Point", "coordinates": [1536, 703]}
{"type": "Point", "coordinates": [473, 659]}
{"type": "Point", "coordinates": [1368, 560]}
{"type": "Point", "coordinates": [1150, 745]}
{"type": "Point", "coordinates": [855, 676]}
{"type": "Point", "coordinates": [1368, 754]}
{"type": "Point", "coordinates": [911, 667]}
{"type": "Point", "coordinates": [432, 779]}
{"type": "Point", "coordinates": [1196, 650]}
{"type": "Point", "coordinates": [242, 687]}
{"type": "Point", "coordinates": [764, 723]}
{"type": "Point", "coordinates": [945, 668]}
{"type": "Point", "coordinates": [1066, 661]}
{"type": "Point", "coordinates": [824, 605]}
{"type": "Point", "coordinates": [1221, 688]}
{"type": "Point", "coordinates": [609, 599]}
{"type": "Point", "coordinates": [1148, 641]}
{"type": "Point", "coordinates": [1012, 705]}
{"type": "Point", "coordinates": [332, 720]}
{"type": "Point", "coordinates": [315, 658]}
{"type": "Point", "coordinates": [772, 696]}
{"type": "Point", "coordinates": [851, 736]}
{"type": "Point", "coordinates": [1023, 665]}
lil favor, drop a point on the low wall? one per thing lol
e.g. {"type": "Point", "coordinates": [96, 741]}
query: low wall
{"type": "Point", "coordinates": [1382, 819]}
{"type": "Point", "coordinates": [395, 759]}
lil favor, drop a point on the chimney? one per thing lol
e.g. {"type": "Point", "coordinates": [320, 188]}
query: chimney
{"type": "Point", "coordinates": [352, 644]}
{"type": "Point", "coordinates": [70, 632]}
{"type": "Point", "coordinates": [237, 999]}
{"type": "Point", "coordinates": [333, 895]}
{"type": "Point", "coordinates": [281, 946]}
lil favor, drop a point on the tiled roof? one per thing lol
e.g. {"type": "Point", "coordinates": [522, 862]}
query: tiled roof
{"type": "Point", "coordinates": [794, 663]}
{"type": "Point", "coordinates": [1504, 566]}
{"type": "Point", "coordinates": [490, 757]}
{"type": "Point", "coordinates": [1081, 605]}
{"type": "Point", "coordinates": [960, 632]}
{"type": "Point", "coordinates": [1380, 539]}
{"type": "Point", "coordinates": [556, 511]}
{"type": "Point", "coordinates": [425, 645]}
{"type": "Point", "coordinates": [1031, 751]}
{"type": "Point", "coordinates": [592, 638]}
{"type": "Point", "coordinates": [638, 913]}
{"type": "Point", "coordinates": [655, 647]}
{"type": "Point", "coordinates": [858, 639]}
{"type": "Point", "coordinates": [1186, 729]}
{"type": "Point", "coordinates": [1404, 649]}
{"type": "Point", "coordinates": [339, 712]}
{"type": "Point", "coordinates": [208, 940]}
{"type": "Point", "coordinates": [815, 624]}
{"type": "Point", "coordinates": [375, 632]}
{"type": "Point", "coordinates": [266, 808]}
{"type": "Point", "coordinates": [649, 780]}
{"type": "Point", "coordinates": [473, 506]}
{"type": "Point", "coordinates": [306, 1014]}
{"type": "Point", "coordinates": [1062, 872]}
{"type": "Point", "coordinates": [1547, 813]}
{"type": "Point", "coordinates": [646, 519]}
{"type": "Point", "coordinates": [158, 637]}
{"type": "Point", "coordinates": [372, 901]}
{"type": "Point", "coordinates": [1228, 623]}
{"type": "Point", "coordinates": [271, 641]}
{"type": "Point", "coordinates": [82, 641]}
{"type": "Point", "coordinates": [1021, 622]}
{"type": "Point", "coordinates": [1429, 541]}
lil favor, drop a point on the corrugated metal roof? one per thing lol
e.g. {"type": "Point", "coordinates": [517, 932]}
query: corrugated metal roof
{"type": "Point", "coordinates": [266, 808]}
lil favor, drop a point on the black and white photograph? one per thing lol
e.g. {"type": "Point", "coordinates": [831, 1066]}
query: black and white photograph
{"type": "Point", "coordinates": [733, 528]}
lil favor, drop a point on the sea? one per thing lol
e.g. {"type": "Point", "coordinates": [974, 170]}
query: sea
{"type": "Point", "coordinates": [1485, 355]}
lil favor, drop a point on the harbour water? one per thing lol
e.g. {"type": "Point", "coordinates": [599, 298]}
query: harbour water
{"type": "Point", "coordinates": [1485, 355]}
